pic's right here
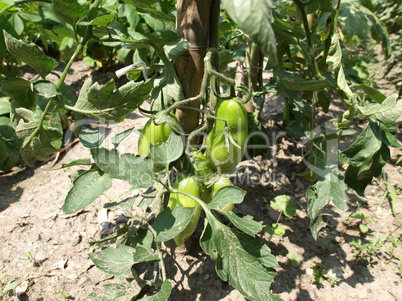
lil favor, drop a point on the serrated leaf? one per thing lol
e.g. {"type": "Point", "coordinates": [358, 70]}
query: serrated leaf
{"type": "Point", "coordinates": [30, 54]}
{"type": "Point", "coordinates": [246, 224]}
{"type": "Point", "coordinates": [21, 91]}
{"type": "Point", "coordinates": [170, 223]}
{"type": "Point", "coordinates": [91, 138]}
{"type": "Point", "coordinates": [129, 167]}
{"type": "Point", "coordinates": [104, 103]}
{"type": "Point", "coordinates": [254, 17]}
{"type": "Point", "coordinates": [88, 186]}
{"type": "Point", "coordinates": [162, 295]}
{"type": "Point", "coordinates": [227, 195]}
{"type": "Point", "coordinates": [329, 188]}
{"type": "Point", "coordinates": [69, 11]}
{"type": "Point", "coordinates": [168, 151]}
{"type": "Point", "coordinates": [387, 112]}
{"type": "Point", "coordinates": [117, 139]}
{"type": "Point", "coordinates": [243, 261]}
{"type": "Point", "coordinates": [46, 141]}
{"type": "Point", "coordinates": [116, 261]}
{"type": "Point", "coordinates": [284, 203]}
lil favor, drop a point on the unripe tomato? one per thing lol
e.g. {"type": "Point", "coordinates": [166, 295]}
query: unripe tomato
{"type": "Point", "coordinates": [201, 168]}
{"type": "Point", "coordinates": [222, 182]}
{"type": "Point", "coordinates": [187, 184]}
{"type": "Point", "coordinates": [221, 148]}
{"type": "Point", "coordinates": [156, 135]}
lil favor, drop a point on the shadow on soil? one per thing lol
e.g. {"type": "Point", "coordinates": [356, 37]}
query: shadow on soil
{"type": "Point", "coordinates": [202, 282]}
{"type": "Point", "coordinates": [326, 249]}
{"type": "Point", "coordinates": [10, 191]}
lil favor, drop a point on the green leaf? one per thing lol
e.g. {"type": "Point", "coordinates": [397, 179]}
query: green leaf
{"type": "Point", "coordinates": [227, 195]}
{"type": "Point", "coordinates": [117, 139]}
{"type": "Point", "coordinates": [46, 89]}
{"type": "Point", "coordinates": [363, 228]}
{"type": "Point", "coordinates": [10, 286]}
{"type": "Point", "coordinates": [21, 91]}
{"type": "Point", "coordinates": [334, 58]}
{"type": "Point", "coordinates": [170, 223]}
{"type": "Point", "coordinates": [129, 167]}
{"type": "Point", "coordinates": [175, 47]}
{"type": "Point", "coordinates": [294, 260]}
{"type": "Point", "coordinates": [167, 90]}
{"type": "Point", "coordinates": [366, 157]}
{"type": "Point", "coordinates": [115, 292]}
{"type": "Point", "coordinates": [275, 230]}
{"type": "Point", "coordinates": [284, 203]}
{"type": "Point", "coordinates": [148, 8]}
{"type": "Point", "coordinates": [243, 261]}
{"type": "Point", "coordinates": [387, 112]}
{"type": "Point", "coordinates": [254, 17]}
{"type": "Point", "coordinates": [91, 138]}
{"type": "Point", "coordinates": [5, 107]}
{"type": "Point", "coordinates": [69, 11]}
{"type": "Point", "coordinates": [104, 103]}
{"type": "Point", "coordinates": [162, 295]}
{"type": "Point", "coordinates": [100, 21]}
{"type": "Point", "coordinates": [46, 141]}
{"type": "Point", "coordinates": [76, 162]}
{"type": "Point", "coordinates": [9, 145]}
{"type": "Point", "coordinates": [88, 186]}
{"type": "Point", "coordinates": [392, 196]}
{"type": "Point", "coordinates": [246, 224]}
{"type": "Point", "coordinates": [116, 261]}
{"type": "Point", "coordinates": [168, 151]}
{"type": "Point", "coordinates": [373, 93]}
{"type": "Point", "coordinates": [30, 54]}
{"type": "Point", "coordinates": [329, 188]}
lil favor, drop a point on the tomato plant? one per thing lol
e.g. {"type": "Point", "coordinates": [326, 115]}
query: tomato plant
{"type": "Point", "coordinates": [302, 42]}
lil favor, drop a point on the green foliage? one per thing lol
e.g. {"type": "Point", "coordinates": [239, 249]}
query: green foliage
{"type": "Point", "coordinates": [4, 288]}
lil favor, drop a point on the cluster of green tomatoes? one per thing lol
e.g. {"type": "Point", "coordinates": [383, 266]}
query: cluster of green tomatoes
{"type": "Point", "coordinates": [204, 171]}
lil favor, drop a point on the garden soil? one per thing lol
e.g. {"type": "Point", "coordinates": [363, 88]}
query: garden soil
{"type": "Point", "coordinates": [47, 251]}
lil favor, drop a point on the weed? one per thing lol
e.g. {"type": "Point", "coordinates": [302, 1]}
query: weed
{"type": "Point", "coordinates": [31, 258]}
{"type": "Point", "coordinates": [6, 287]}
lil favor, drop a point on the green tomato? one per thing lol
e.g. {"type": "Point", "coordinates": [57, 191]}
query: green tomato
{"type": "Point", "coordinates": [201, 168]}
{"type": "Point", "coordinates": [222, 182]}
{"type": "Point", "coordinates": [156, 135]}
{"type": "Point", "coordinates": [187, 184]}
{"type": "Point", "coordinates": [227, 154]}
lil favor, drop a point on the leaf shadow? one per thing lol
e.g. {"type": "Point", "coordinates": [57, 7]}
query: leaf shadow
{"type": "Point", "coordinates": [298, 239]}
{"type": "Point", "coordinates": [11, 192]}
{"type": "Point", "coordinates": [193, 272]}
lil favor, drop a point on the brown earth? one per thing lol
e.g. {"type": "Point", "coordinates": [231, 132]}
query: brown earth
{"type": "Point", "coordinates": [46, 251]}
